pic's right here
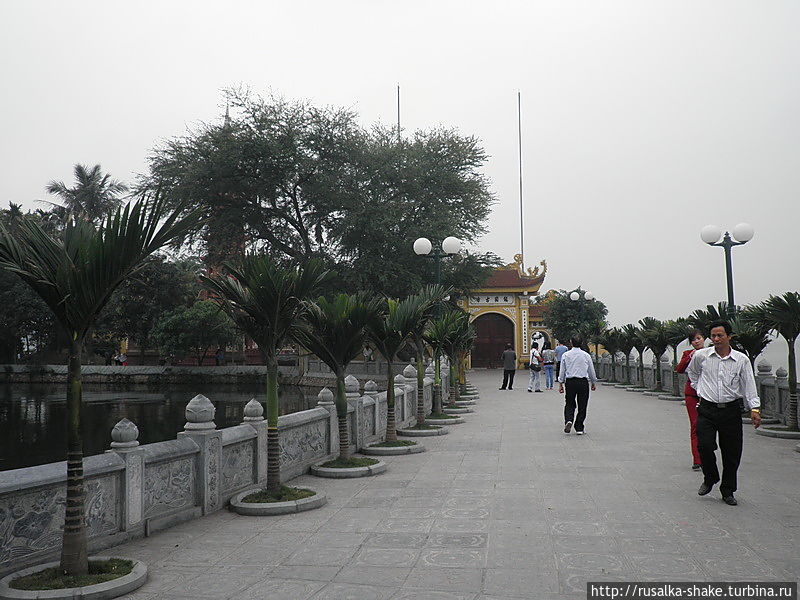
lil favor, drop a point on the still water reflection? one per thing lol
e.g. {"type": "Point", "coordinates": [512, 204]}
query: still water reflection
{"type": "Point", "coordinates": [33, 417]}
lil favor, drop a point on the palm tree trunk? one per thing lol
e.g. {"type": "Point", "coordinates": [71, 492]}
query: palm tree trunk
{"type": "Point", "coordinates": [613, 368]}
{"type": "Point", "coordinates": [791, 413]}
{"type": "Point", "coordinates": [341, 415]}
{"type": "Point", "coordinates": [437, 385]}
{"type": "Point", "coordinates": [420, 388]}
{"type": "Point", "coordinates": [658, 373]}
{"type": "Point", "coordinates": [452, 397]}
{"type": "Point", "coordinates": [675, 391]}
{"type": "Point", "coordinates": [273, 439]}
{"type": "Point", "coordinates": [74, 553]}
{"type": "Point", "coordinates": [391, 421]}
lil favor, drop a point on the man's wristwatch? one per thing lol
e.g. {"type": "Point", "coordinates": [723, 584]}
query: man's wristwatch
{"type": "Point", "coordinates": [755, 410]}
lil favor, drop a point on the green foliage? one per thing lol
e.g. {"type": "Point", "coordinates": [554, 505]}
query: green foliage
{"type": "Point", "coordinates": [300, 181]}
{"type": "Point", "coordinates": [282, 494]}
{"type": "Point", "coordinates": [566, 317]}
{"type": "Point", "coordinates": [94, 197]}
{"type": "Point", "coordinates": [349, 463]}
{"type": "Point", "coordinates": [53, 578]}
{"type": "Point", "coordinates": [194, 330]}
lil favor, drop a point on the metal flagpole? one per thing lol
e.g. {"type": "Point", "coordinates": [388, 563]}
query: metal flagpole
{"type": "Point", "coordinates": [521, 224]}
{"type": "Point", "coordinates": [398, 112]}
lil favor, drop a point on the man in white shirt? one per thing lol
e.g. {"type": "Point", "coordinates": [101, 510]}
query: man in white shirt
{"type": "Point", "coordinates": [577, 371]}
{"type": "Point", "coordinates": [721, 376]}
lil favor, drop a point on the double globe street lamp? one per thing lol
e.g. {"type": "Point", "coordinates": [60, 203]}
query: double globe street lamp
{"type": "Point", "coordinates": [742, 234]}
{"type": "Point", "coordinates": [450, 247]}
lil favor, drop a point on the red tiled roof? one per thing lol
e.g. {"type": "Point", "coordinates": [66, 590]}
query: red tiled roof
{"type": "Point", "coordinates": [510, 278]}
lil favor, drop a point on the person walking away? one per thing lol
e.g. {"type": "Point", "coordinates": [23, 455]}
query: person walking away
{"type": "Point", "coordinates": [219, 357]}
{"type": "Point", "coordinates": [536, 368]}
{"type": "Point", "coordinates": [721, 376]}
{"type": "Point", "coordinates": [577, 373]}
{"type": "Point", "coordinates": [560, 349]}
{"type": "Point", "coordinates": [698, 341]}
{"type": "Point", "coordinates": [548, 363]}
{"type": "Point", "coordinates": [509, 359]}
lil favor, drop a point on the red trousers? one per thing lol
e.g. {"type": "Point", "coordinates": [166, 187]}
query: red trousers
{"type": "Point", "coordinates": [691, 408]}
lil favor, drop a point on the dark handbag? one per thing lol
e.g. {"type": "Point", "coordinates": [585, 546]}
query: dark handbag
{"type": "Point", "coordinates": [536, 367]}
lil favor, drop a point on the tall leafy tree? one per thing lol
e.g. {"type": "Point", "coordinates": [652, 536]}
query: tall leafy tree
{"type": "Point", "coordinates": [389, 331]}
{"type": "Point", "coordinates": [335, 330]}
{"type": "Point", "coordinates": [781, 314]}
{"type": "Point", "coordinates": [93, 197]}
{"type": "Point", "coordinates": [75, 275]}
{"type": "Point", "coordinates": [437, 336]}
{"type": "Point", "coordinates": [565, 317]}
{"type": "Point", "coordinates": [194, 330]}
{"type": "Point", "coordinates": [267, 302]}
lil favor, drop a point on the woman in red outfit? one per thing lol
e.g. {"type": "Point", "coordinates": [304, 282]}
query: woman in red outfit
{"type": "Point", "coordinates": [698, 341]}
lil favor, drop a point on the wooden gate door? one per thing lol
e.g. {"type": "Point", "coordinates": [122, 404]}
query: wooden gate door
{"type": "Point", "coordinates": [493, 332]}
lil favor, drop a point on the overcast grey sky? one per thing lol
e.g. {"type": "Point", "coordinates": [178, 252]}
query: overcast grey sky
{"type": "Point", "coordinates": [642, 121]}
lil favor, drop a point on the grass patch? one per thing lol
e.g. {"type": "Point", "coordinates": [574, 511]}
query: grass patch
{"type": "Point", "coordinates": [350, 463]}
{"type": "Point", "coordinates": [100, 571]}
{"type": "Point", "coordinates": [395, 444]}
{"type": "Point", "coordinates": [285, 494]}
{"type": "Point", "coordinates": [425, 427]}
{"type": "Point", "coordinates": [441, 415]}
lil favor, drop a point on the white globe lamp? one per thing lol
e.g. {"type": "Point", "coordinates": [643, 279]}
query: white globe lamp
{"type": "Point", "coordinates": [574, 296]}
{"type": "Point", "coordinates": [423, 246]}
{"type": "Point", "coordinates": [743, 232]}
{"type": "Point", "coordinates": [710, 234]}
{"type": "Point", "coordinates": [451, 245]}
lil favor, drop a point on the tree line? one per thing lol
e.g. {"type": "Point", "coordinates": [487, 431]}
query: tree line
{"type": "Point", "coordinates": [284, 178]}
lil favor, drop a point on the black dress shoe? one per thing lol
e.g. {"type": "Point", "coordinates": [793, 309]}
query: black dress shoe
{"type": "Point", "coordinates": [729, 500]}
{"type": "Point", "coordinates": [704, 488]}
{"type": "Point", "coordinates": [696, 467]}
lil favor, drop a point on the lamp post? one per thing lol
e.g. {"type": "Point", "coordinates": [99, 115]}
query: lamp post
{"type": "Point", "coordinates": [450, 247]}
{"type": "Point", "coordinates": [582, 297]}
{"type": "Point", "coordinates": [742, 234]}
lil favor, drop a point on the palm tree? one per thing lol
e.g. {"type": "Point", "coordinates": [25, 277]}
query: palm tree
{"type": "Point", "coordinates": [436, 336]}
{"type": "Point", "coordinates": [702, 318]}
{"type": "Point", "coordinates": [610, 339]}
{"type": "Point", "coordinates": [335, 331]}
{"type": "Point", "coordinates": [627, 341]}
{"type": "Point", "coordinates": [655, 335]}
{"type": "Point", "coordinates": [75, 275]}
{"type": "Point", "coordinates": [640, 343]}
{"type": "Point", "coordinates": [782, 315]}
{"type": "Point", "coordinates": [266, 301]}
{"type": "Point", "coordinates": [389, 331]}
{"type": "Point", "coordinates": [677, 332]}
{"type": "Point", "coordinates": [430, 297]}
{"type": "Point", "coordinates": [458, 343]}
{"type": "Point", "coordinates": [94, 196]}
{"type": "Point", "coordinates": [750, 338]}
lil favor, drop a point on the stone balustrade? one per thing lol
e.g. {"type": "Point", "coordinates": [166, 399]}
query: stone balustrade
{"type": "Point", "coordinates": [773, 390]}
{"type": "Point", "coordinates": [133, 490]}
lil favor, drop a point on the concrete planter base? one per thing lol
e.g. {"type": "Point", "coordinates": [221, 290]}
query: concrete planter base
{"type": "Point", "coordinates": [423, 432]}
{"type": "Point", "coordinates": [457, 410]}
{"type": "Point", "coordinates": [776, 433]}
{"type": "Point", "coordinates": [463, 403]}
{"type": "Point", "coordinates": [638, 389]}
{"type": "Point", "coordinates": [455, 421]}
{"type": "Point", "coordinates": [393, 451]}
{"type": "Point", "coordinates": [263, 509]}
{"type": "Point", "coordinates": [764, 420]}
{"type": "Point", "coordinates": [671, 398]}
{"type": "Point", "coordinates": [797, 448]}
{"type": "Point", "coordinates": [655, 393]}
{"type": "Point", "coordinates": [330, 473]}
{"type": "Point", "coordinates": [100, 591]}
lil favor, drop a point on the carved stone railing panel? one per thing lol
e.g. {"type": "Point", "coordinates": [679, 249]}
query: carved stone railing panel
{"type": "Point", "coordinates": [169, 486]}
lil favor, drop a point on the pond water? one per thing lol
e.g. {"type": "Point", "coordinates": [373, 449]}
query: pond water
{"type": "Point", "coordinates": [33, 417]}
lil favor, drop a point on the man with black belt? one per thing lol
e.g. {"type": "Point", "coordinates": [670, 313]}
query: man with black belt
{"type": "Point", "coordinates": [577, 371]}
{"type": "Point", "coordinates": [721, 376]}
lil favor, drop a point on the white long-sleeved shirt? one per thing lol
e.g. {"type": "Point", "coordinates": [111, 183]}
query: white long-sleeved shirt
{"type": "Point", "coordinates": [721, 380]}
{"type": "Point", "coordinates": [576, 363]}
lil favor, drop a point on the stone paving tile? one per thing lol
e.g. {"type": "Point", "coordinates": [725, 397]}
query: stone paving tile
{"type": "Point", "coordinates": [505, 507]}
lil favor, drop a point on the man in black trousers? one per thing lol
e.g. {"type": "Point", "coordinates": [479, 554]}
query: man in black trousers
{"type": "Point", "coordinates": [509, 359]}
{"type": "Point", "coordinates": [577, 372]}
{"type": "Point", "coordinates": [721, 376]}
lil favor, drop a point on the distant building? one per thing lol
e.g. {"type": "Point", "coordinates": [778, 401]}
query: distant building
{"type": "Point", "coordinates": [507, 309]}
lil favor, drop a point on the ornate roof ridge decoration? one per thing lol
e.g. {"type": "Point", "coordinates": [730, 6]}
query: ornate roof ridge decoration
{"type": "Point", "coordinates": [518, 277]}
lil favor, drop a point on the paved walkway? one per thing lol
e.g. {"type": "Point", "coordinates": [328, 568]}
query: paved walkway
{"type": "Point", "coordinates": [506, 506]}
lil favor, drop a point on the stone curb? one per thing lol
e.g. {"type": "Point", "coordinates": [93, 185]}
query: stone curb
{"type": "Point", "coordinates": [609, 383]}
{"type": "Point", "coordinates": [671, 398]}
{"type": "Point", "coordinates": [636, 389]}
{"type": "Point", "coordinates": [100, 591]}
{"type": "Point", "coordinates": [764, 421]}
{"type": "Point", "coordinates": [458, 410]}
{"type": "Point", "coordinates": [653, 393]}
{"type": "Point", "coordinates": [455, 421]}
{"type": "Point", "coordinates": [786, 435]}
{"type": "Point", "coordinates": [623, 385]}
{"type": "Point", "coordinates": [351, 473]}
{"type": "Point", "coordinates": [422, 432]}
{"type": "Point", "coordinates": [393, 451]}
{"type": "Point", "coordinates": [264, 509]}
{"type": "Point", "coordinates": [463, 403]}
